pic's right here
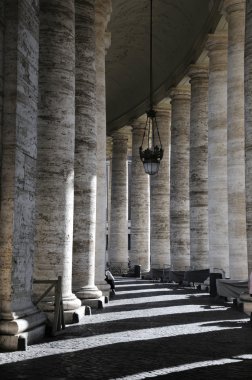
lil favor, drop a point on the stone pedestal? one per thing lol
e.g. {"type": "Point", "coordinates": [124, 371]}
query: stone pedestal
{"type": "Point", "coordinates": [217, 154]}
{"type": "Point", "coordinates": [85, 162]}
{"type": "Point", "coordinates": [118, 233]}
{"type": "Point", "coordinates": [199, 167]}
{"type": "Point", "coordinates": [139, 253]}
{"type": "Point", "coordinates": [19, 318]}
{"type": "Point", "coordinates": [179, 178]}
{"type": "Point", "coordinates": [103, 10]}
{"type": "Point", "coordinates": [55, 164]}
{"type": "Point", "coordinates": [160, 194]}
{"type": "Point", "coordinates": [238, 261]}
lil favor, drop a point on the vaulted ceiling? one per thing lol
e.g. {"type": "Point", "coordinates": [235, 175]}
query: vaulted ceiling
{"type": "Point", "coordinates": [180, 29]}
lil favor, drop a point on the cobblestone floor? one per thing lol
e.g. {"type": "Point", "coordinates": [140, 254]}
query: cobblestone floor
{"type": "Point", "coordinates": [148, 330]}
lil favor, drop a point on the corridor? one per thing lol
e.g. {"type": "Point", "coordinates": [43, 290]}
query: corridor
{"type": "Point", "coordinates": [148, 330]}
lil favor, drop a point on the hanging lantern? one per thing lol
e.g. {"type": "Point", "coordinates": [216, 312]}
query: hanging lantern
{"type": "Point", "coordinates": [151, 152]}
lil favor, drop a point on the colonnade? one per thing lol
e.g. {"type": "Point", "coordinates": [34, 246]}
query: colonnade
{"type": "Point", "coordinates": [197, 200]}
{"type": "Point", "coordinates": [194, 213]}
{"type": "Point", "coordinates": [52, 178]}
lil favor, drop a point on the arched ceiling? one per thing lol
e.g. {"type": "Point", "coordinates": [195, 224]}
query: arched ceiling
{"type": "Point", "coordinates": [180, 28]}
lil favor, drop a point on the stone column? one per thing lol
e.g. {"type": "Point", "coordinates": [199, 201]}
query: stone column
{"type": "Point", "coordinates": [109, 149]}
{"type": "Point", "coordinates": [217, 153]}
{"type": "Point", "coordinates": [238, 259]}
{"type": "Point", "coordinates": [199, 167]}
{"type": "Point", "coordinates": [118, 234]}
{"type": "Point", "coordinates": [140, 202]}
{"type": "Point", "coordinates": [179, 204]}
{"type": "Point", "coordinates": [1, 70]}
{"type": "Point", "coordinates": [20, 319]}
{"type": "Point", "coordinates": [85, 163]}
{"type": "Point", "coordinates": [248, 127]}
{"type": "Point", "coordinates": [103, 10]}
{"type": "Point", "coordinates": [55, 165]}
{"type": "Point", "coordinates": [160, 194]}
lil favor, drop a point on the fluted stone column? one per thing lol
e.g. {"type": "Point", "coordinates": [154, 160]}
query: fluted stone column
{"type": "Point", "coordinates": [238, 260]}
{"type": "Point", "coordinates": [248, 127]}
{"type": "Point", "coordinates": [217, 153]}
{"type": "Point", "coordinates": [199, 167]}
{"type": "Point", "coordinates": [55, 165]}
{"type": "Point", "coordinates": [179, 178]}
{"type": "Point", "coordinates": [18, 316]}
{"type": "Point", "coordinates": [160, 194]}
{"type": "Point", "coordinates": [85, 163]}
{"type": "Point", "coordinates": [103, 10]}
{"type": "Point", "coordinates": [118, 233]}
{"type": "Point", "coordinates": [139, 253]}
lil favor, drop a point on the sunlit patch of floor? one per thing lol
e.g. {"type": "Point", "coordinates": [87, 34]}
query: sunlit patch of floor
{"type": "Point", "coordinates": [179, 368]}
{"type": "Point", "coordinates": [150, 312]}
{"type": "Point", "coordinates": [152, 298]}
{"type": "Point", "coordinates": [134, 284]}
{"type": "Point", "coordinates": [121, 292]}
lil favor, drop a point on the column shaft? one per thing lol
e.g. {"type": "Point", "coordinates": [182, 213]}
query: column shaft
{"type": "Point", "coordinates": [103, 9]}
{"type": "Point", "coordinates": [85, 163]}
{"type": "Point", "coordinates": [199, 167]}
{"type": "Point", "coordinates": [248, 127]}
{"type": "Point", "coordinates": [238, 261]}
{"type": "Point", "coordinates": [55, 166]}
{"type": "Point", "coordinates": [160, 194]}
{"type": "Point", "coordinates": [217, 153]}
{"type": "Point", "coordinates": [18, 315]}
{"type": "Point", "coordinates": [118, 234]}
{"type": "Point", "coordinates": [179, 206]}
{"type": "Point", "coordinates": [139, 253]}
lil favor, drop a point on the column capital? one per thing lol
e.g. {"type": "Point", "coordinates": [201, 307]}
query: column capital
{"type": "Point", "coordinates": [120, 135]}
{"type": "Point", "coordinates": [198, 72]}
{"type": "Point", "coordinates": [107, 41]}
{"type": "Point", "coordinates": [217, 41]}
{"type": "Point", "coordinates": [109, 147]}
{"type": "Point", "coordinates": [139, 123]}
{"type": "Point", "coordinates": [163, 107]}
{"type": "Point", "coordinates": [230, 6]}
{"type": "Point", "coordinates": [180, 93]}
{"type": "Point", "coordinates": [103, 9]}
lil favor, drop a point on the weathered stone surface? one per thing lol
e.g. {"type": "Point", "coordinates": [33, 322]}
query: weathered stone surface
{"type": "Point", "coordinates": [160, 194]}
{"type": "Point", "coordinates": [103, 9]}
{"type": "Point", "coordinates": [238, 262]}
{"type": "Point", "coordinates": [85, 164]}
{"type": "Point", "coordinates": [139, 253]}
{"type": "Point", "coordinates": [248, 128]}
{"type": "Point", "coordinates": [217, 153]}
{"type": "Point", "coordinates": [118, 233]}
{"type": "Point", "coordinates": [55, 164]}
{"type": "Point", "coordinates": [199, 167]}
{"type": "Point", "coordinates": [19, 137]}
{"type": "Point", "coordinates": [179, 179]}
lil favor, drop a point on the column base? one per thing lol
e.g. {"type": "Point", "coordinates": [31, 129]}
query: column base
{"type": "Point", "coordinates": [246, 300]}
{"type": "Point", "coordinates": [88, 292]}
{"type": "Point", "coordinates": [71, 305]}
{"type": "Point", "coordinates": [104, 287]}
{"type": "Point", "coordinates": [96, 303]}
{"type": "Point", "coordinates": [16, 334]}
{"type": "Point", "coordinates": [70, 316]}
